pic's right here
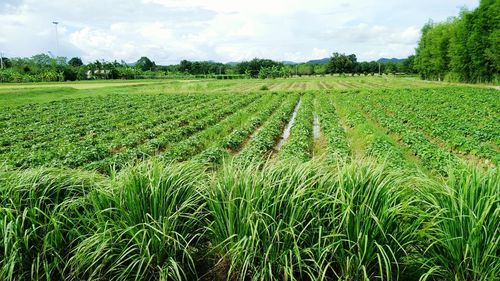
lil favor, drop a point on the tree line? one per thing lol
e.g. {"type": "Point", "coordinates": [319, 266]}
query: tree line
{"type": "Point", "coordinates": [464, 48]}
{"type": "Point", "coordinates": [45, 68]}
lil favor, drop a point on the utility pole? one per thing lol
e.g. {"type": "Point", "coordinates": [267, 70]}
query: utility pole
{"type": "Point", "coordinates": [1, 60]}
{"type": "Point", "coordinates": [57, 39]}
{"type": "Point", "coordinates": [379, 69]}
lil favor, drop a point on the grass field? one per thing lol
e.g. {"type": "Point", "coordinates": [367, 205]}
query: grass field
{"type": "Point", "coordinates": [17, 94]}
{"type": "Point", "coordinates": [319, 178]}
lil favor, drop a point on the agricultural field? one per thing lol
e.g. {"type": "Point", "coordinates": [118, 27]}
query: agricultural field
{"type": "Point", "coordinates": [324, 178]}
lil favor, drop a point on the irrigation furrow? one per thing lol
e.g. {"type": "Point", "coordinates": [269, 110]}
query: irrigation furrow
{"type": "Point", "coordinates": [299, 144]}
{"type": "Point", "coordinates": [288, 127]}
{"type": "Point", "coordinates": [266, 138]}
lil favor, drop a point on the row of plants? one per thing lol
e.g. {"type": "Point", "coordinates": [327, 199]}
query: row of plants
{"type": "Point", "coordinates": [76, 120]}
{"type": "Point", "coordinates": [216, 134]}
{"type": "Point", "coordinates": [181, 129]}
{"type": "Point", "coordinates": [264, 140]}
{"type": "Point", "coordinates": [238, 137]}
{"type": "Point", "coordinates": [432, 156]}
{"type": "Point", "coordinates": [80, 136]}
{"type": "Point", "coordinates": [375, 143]}
{"type": "Point", "coordinates": [463, 119]}
{"type": "Point", "coordinates": [299, 144]}
{"type": "Point", "coordinates": [266, 221]}
{"type": "Point", "coordinates": [337, 147]}
{"type": "Point", "coordinates": [96, 133]}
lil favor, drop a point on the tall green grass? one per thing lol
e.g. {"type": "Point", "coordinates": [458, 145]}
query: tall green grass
{"type": "Point", "coordinates": [304, 221]}
{"type": "Point", "coordinates": [144, 226]}
{"type": "Point", "coordinates": [266, 221]}
{"type": "Point", "coordinates": [462, 238]}
{"type": "Point", "coordinates": [38, 221]}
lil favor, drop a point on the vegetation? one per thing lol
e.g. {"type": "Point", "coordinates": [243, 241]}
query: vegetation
{"type": "Point", "coordinates": [44, 68]}
{"type": "Point", "coordinates": [278, 221]}
{"type": "Point", "coordinates": [189, 181]}
{"type": "Point", "coordinates": [464, 48]}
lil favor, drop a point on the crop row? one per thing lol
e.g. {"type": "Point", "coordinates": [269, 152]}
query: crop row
{"type": "Point", "coordinates": [337, 145]}
{"type": "Point", "coordinates": [216, 134]}
{"type": "Point", "coordinates": [63, 149]}
{"type": "Point", "coordinates": [445, 124]}
{"type": "Point", "coordinates": [110, 127]}
{"type": "Point", "coordinates": [299, 144]}
{"type": "Point", "coordinates": [265, 139]}
{"type": "Point", "coordinates": [235, 140]}
{"type": "Point", "coordinates": [76, 118]}
{"type": "Point", "coordinates": [432, 156]}
{"type": "Point", "coordinates": [181, 129]}
{"type": "Point", "coordinates": [377, 143]}
{"type": "Point", "coordinates": [229, 143]}
{"type": "Point", "coordinates": [277, 221]}
{"type": "Point", "coordinates": [148, 123]}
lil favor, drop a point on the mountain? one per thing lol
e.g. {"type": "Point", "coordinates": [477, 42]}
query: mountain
{"type": "Point", "coordinates": [320, 61]}
{"type": "Point", "coordinates": [384, 60]}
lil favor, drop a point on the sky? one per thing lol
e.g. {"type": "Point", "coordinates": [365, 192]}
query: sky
{"type": "Point", "coordinates": [168, 31]}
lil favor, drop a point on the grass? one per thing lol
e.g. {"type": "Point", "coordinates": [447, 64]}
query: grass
{"type": "Point", "coordinates": [463, 235]}
{"type": "Point", "coordinates": [25, 93]}
{"type": "Point", "coordinates": [267, 221]}
{"type": "Point", "coordinates": [375, 218]}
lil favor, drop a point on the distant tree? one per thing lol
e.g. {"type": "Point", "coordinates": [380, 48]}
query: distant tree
{"type": "Point", "coordinates": [432, 57]}
{"type": "Point", "coordinates": [6, 62]}
{"type": "Point", "coordinates": [42, 60]}
{"type": "Point", "coordinates": [185, 66]}
{"type": "Point", "coordinates": [144, 64]}
{"type": "Point", "coordinates": [253, 67]}
{"type": "Point", "coordinates": [264, 72]}
{"type": "Point", "coordinates": [341, 63]}
{"type": "Point", "coordinates": [407, 66]}
{"type": "Point", "coordinates": [75, 62]}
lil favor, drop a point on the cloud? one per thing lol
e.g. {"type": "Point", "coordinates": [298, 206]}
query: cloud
{"type": "Point", "coordinates": [223, 30]}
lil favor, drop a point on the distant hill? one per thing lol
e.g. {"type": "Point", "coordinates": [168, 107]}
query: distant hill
{"type": "Point", "coordinates": [286, 62]}
{"type": "Point", "coordinates": [320, 61]}
{"type": "Point", "coordinates": [384, 60]}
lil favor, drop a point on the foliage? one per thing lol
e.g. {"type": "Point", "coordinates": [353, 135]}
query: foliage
{"type": "Point", "coordinates": [341, 63]}
{"type": "Point", "coordinates": [463, 48]}
{"type": "Point", "coordinates": [202, 67]}
{"type": "Point", "coordinates": [299, 144]}
{"type": "Point", "coordinates": [265, 221]}
{"type": "Point", "coordinates": [337, 149]}
{"type": "Point", "coordinates": [266, 138]}
{"type": "Point", "coordinates": [463, 235]}
{"type": "Point", "coordinates": [255, 66]}
{"type": "Point", "coordinates": [75, 62]}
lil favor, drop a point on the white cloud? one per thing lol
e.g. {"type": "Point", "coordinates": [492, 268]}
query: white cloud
{"type": "Point", "coordinates": [223, 30]}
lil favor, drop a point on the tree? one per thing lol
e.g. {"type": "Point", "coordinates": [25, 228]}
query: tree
{"type": "Point", "coordinates": [254, 66]}
{"type": "Point", "coordinates": [407, 66]}
{"type": "Point", "coordinates": [42, 60]}
{"type": "Point", "coordinates": [340, 63]}
{"type": "Point", "coordinates": [144, 64]}
{"type": "Point", "coordinates": [464, 48]}
{"type": "Point", "coordinates": [6, 63]}
{"type": "Point", "coordinates": [75, 62]}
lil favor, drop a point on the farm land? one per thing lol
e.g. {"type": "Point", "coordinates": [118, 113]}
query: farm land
{"type": "Point", "coordinates": [318, 178]}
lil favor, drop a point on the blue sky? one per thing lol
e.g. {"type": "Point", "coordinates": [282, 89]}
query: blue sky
{"type": "Point", "coordinates": [221, 30]}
